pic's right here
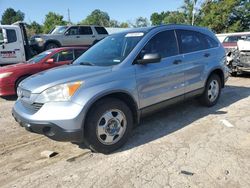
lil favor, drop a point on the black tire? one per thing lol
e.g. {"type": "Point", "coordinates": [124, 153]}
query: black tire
{"type": "Point", "coordinates": [51, 45]}
{"type": "Point", "coordinates": [234, 74]}
{"type": "Point", "coordinates": [92, 140]}
{"type": "Point", "coordinates": [19, 81]}
{"type": "Point", "coordinates": [205, 99]}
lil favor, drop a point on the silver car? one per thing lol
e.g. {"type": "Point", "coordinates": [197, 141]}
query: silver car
{"type": "Point", "coordinates": [75, 35]}
{"type": "Point", "coordinates": [124, 77]}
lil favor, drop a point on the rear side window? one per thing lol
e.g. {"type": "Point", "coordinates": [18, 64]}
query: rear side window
{"type": "Point", "coordinates": [101, 30]}
{"type": "Point", "coordinates": [11, 35]}
{"type": "Point", "coordinates": [211, 42]}
{"type": "Point", "coordinates": [232, 39]}
{"type": "Point", "coordinates": [163, 43]}
{"type": "Point", "coordinates": [191, 41]}
{"type": "Point", "coordinates": [66, 55]}
{"type": "Point", "coordinates": [85, 30]}
{"type": "Point", "coordinates": [79, 52]}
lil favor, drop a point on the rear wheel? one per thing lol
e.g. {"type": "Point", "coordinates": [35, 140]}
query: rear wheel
{"type": "Point", "coordinates": [212, 91]}
{"type": "Point", "coordinates": [108, 126]}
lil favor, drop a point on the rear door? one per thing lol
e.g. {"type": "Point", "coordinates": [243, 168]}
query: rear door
{"type": "Point", "coordinates": [12, 51]}
{"type": "Point", "coordinates": [198, 52]}
{"type": "Point", "coordinates": [161, 81]}
{"type": "Point", "coordinates": [86, 36]}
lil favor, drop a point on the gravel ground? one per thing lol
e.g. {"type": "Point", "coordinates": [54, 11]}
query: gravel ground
{"type": "Point", "coordinates": [183, 146]}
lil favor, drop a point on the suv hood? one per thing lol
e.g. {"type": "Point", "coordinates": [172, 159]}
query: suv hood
{"type": "Point", "coordinates": [44, 80]}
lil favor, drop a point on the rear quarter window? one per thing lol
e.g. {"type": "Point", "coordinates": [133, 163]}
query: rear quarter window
{"type": "Point", "coordinates": [101, 30]}
{"type": "Point", "coordinates": [191, 41]}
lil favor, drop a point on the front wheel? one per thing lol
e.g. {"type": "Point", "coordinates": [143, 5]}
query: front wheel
{"type": "Point", "coordinates": [51, 45]}
{"type": "Point", "coordinates": [212, 91]}
{"type": "Point", "coordinates": [108, 126]}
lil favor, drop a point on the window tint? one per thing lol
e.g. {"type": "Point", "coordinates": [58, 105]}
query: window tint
{"type": "Point", "coordinates": [79, 52]}
{"type": "Point", "coordinates": [233, 38]}
{"type": "Point", "coordinates": [101, 30]}
{"type": "Point", "coordinates": [72, 31]}
{"type": "Point", "coordinates": [65, 55]}
{"type": "Point", "coordinates": [11, 35]}
{"type": "Point", "coordinates": [85, 30]}
{"type": "Point", "coordinates": [191, 41]}
{"type": "Point", "coordinates": [163, 43]}
{"type": "Point", "coordinates": [1, 35]}
{"type": "Point", "coordinates": [211, 42]}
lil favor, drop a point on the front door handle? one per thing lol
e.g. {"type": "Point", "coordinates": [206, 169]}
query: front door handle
{"type": "Point", "coordinates": [3, 46]}
{"type": "Point", "coordinates": [176, 62]}
{"type": "Point", "coordinates": [77, 36]}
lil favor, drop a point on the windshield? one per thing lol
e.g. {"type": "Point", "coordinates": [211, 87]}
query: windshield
{"type": "Point", "coordinates": [58, 30]}
{"type": "Point", "coordinates": [39, 57]}
{"type": "Point", "coordinates": [110, 51]}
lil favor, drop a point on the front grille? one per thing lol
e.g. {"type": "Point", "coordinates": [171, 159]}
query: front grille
{"type": "Point", "coordinates": [34, 106]}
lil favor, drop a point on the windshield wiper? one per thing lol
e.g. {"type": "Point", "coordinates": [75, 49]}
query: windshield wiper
{"type": "Point", "coordinates": [86, 63]}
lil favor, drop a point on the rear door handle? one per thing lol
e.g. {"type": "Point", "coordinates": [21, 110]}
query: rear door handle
{"type": "Point", "coordinates": [206, 55]}
{"type": "Point", "coordinates": [77, 36]}
{"type": "Point", "coordinates": [176, 62]}
{"type": "Point", "coordinates": [93, 36]}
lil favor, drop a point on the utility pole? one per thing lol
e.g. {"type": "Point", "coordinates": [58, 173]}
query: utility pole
{"type": "Point", "coordinates": [193, 11]}
{"type": "Point", "coordinates": [69, 21]}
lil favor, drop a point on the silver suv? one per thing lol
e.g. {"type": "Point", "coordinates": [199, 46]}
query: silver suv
{"type": "Point", "coordinates": [78, 35]}
{"type": "Point", "coordinates": [124, 77]}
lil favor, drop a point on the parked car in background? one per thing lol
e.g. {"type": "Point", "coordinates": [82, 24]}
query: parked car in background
{"type": "Point", "coordinates": [230, 42]}
{"type": "Point", "coordinates": [75, 35]}
{"type": "Point", "coordinates": [98, 99]}
{"type": "Point", "coordinates": [12, 75]}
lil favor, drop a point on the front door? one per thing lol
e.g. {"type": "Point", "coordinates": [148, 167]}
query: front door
{"type": "Point", "coordinates": [11, 50]}
{"type": "Point", "coordinates": [158, 82]}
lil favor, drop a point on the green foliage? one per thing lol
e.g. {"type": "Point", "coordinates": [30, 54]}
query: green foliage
{"type": "Point", "coordinates": [218, 15]}
{"type": "Point", "coordinates": [124, 25]}
{"type": "Point", "coordinates": [141, 22]}
{"type": "Point", "coordinates": [51, 20]}
{"type": "Point", "coordinates": [97, 17]}
{"type": "Point", "coordinates": [34, 28]}
{"type": "Point", "coordinates": [11, 16]}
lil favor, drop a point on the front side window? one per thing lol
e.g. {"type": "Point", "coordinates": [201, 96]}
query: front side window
{"type": "Point", "coordinates": [85, 30]}
{"type": "Point", "coordinates": [66, 55]}
{"type": "Point", "coordinates": [110, 51]}
{"type": "Point", "coordinates": [163, 43]}
{"type": "Point", "coordinates": [11, 35]}
{"type": "Point", "coordinates": [72, 31]}
{"type": "Point", "coordinates": [58, 30]}
{"type": "Point", "coordinates": [191, 41]}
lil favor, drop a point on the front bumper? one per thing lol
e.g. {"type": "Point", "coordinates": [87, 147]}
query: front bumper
{"type": "Point", "coordinates": [60, 122]}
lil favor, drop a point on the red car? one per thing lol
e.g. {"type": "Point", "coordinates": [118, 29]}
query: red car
{"type": "Point", "coordinates": [12, 75]}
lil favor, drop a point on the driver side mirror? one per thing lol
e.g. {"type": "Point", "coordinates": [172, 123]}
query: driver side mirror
{"type": "Point", "coordinates": [50, 61]}
{"type": "Point", "coordinates": [149, 58]}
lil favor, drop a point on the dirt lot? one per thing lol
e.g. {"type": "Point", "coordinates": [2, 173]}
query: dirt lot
{"type": "Point", "coordinates": [184, 146]}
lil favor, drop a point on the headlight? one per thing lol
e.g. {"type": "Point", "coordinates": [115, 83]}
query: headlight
{"type": "Point", "coordinates": [58, 93]}
{"type": "Point", "coordinates": [40, 41]}
{"type": "Point", "coordinates": [6, 74]}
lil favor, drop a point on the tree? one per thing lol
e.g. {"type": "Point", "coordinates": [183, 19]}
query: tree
{"type": "Point", "coordinates": [11, 16]}
{"type": "Point", "coordinates": [97, 17]}
{"type": "Point", "coordinates": [124, 25]}
{"type": "Point", "coordinates": [51, 20]}
{"type": "Point", "coordinates": [34, 28]}
{"type": "Point", "coordinates": [157, 19]}
{"type": "Point", "coordinates": [114, 23]}
{"type": "Point", "coordinates": [226, 16]}
{"type": "Point", "coordinates": [140, 22]}
{"type": "Point", "coordinates": [175, 17]}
